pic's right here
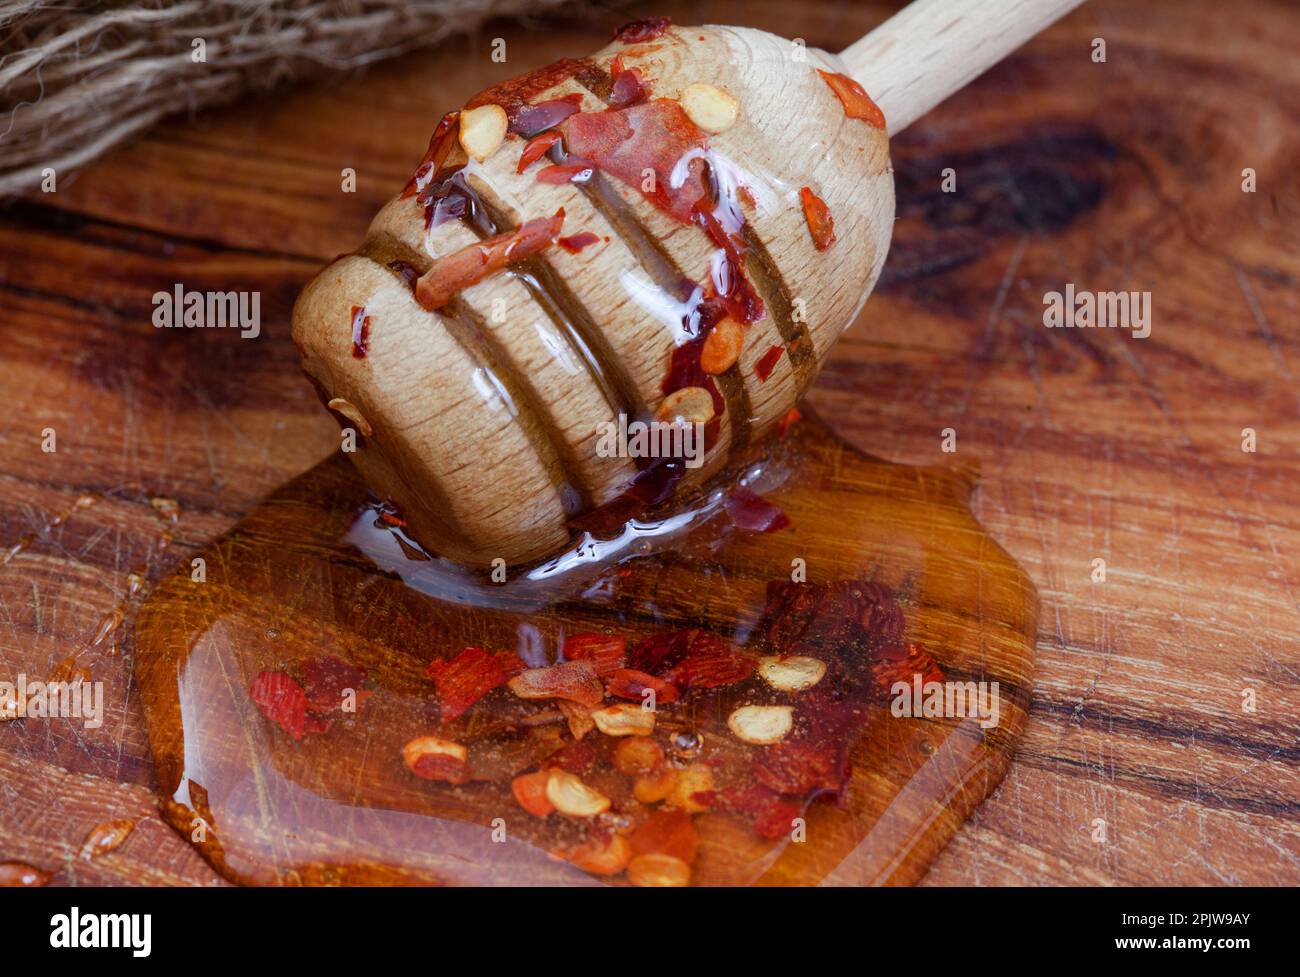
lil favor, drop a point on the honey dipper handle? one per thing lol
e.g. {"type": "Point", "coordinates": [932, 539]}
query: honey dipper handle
{"type": "Point", "coordinates": [932, 48]}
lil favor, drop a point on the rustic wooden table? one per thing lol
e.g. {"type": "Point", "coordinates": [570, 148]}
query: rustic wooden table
{"type": "Point", "coordinates": [1123, 175]}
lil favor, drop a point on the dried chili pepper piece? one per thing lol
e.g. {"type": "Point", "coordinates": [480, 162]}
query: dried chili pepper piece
{"type": "Point", "coordinates": [471, 264]}
{"type": "Point", "coordinates": [657, 482]}
{"type": "Point", "coordinates": [820, 223]}
{"type": "Point", "coordinates": [603, 853]}
{"type": "Point", "coordinates": [577, 758]}
{"type": "Point", "coordinates": [440, 766]}
{"type": "Point", "coordinates": [751, 511]}
{"type": "Point", "coordinates": [389, 514]}
{"type": "Point", "coordinates": [628, 683]}
{"type": "Point", "coordinates": [575, 243]}
{"type": "Point", "coordinates": [536, 148]}
{"type": "Point", "coordinates": [628, 89]}
{"type": "Point", "coordinates": [770, 814]}
{"type": "Point", "coordinates": [646, 29]}
{"type": "Point", "coordinates": [857, 103]}
{"type": "Point", "coordinates": [436, 759]}
{"type": "Point", "coordinates": [440, 143]}
{"type": "Point", "coordinates": [448, 197]}
{"type": "Point", "coordinates": [709, 663]}
{"type": "Point", "coordinates": [463, 680]}
{"type": "Point", "coordinates": [767, 363]}
{"type": "Point", "coordinates": [510, 663]}
{"type": "Point", "coordinates": [816, 619]}
{"type": "Point", "coordinates": [902, 663]}
{"type": "Point", "coordinates": [530, 791]}
{"type": "Point", "coordinates": [575, 680]}
{"type": "Point", "coordinates": [791, 418]}
{"type": "Point", "coordinates": [661, 651]}
{"type": "Point", "coordinates": [529, 120]}
{"type": "Point", "coordinates": [801, 769]}
{"type": "Point", "coordinates": [605, 652]}
{"type": "Point", "coordinates": [572, 170]}
{"type": "Point", "coordinates": [282, 700]}
{"type": "Point", "coordinates": [316, 724]}
{"type": "Point", "coordinates": [360, 332]}
{"type": "Point", "coordinates": [514, 94]}
{"type": "Point", "coordinates": [325, 680]}
{"type": "Point", "coordinates": [654, 135]}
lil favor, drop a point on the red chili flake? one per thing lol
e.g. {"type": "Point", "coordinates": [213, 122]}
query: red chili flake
{"type": "Point", "coordinates": [530, 791]}
{"type": "Point", "coordinates": [709, 664]}
{"type": "Point", "coordinates": [439, 146]}
{"type": "Point", "coordinates": [576, 681]}
{"type": "Point", "coordinates": [767, 364]}
{"type": "Point", "coordinates": [834, 619]}
{"type": "Point", "coordinates": [791, 418]}
{"type": "Point", "coordinates": [463, 680]}
{"type": "Point", "coordinates": [661, 651]}
{"type": "Point", "coordinates": [728, 276]}
{"type": "Point", "coordinates": [628, 683]}
{"type": "Point", "coordinates": [514, 94]}
{"type": "Point", "coordinates": [636, 31]}
{"type": "Point", "coordinates": [282, 700]}
{"type": "Point", "coordinates": [857, 103]}
{"type": "Point", "coordinates": [574, 170]}
{"type": "Point", "coordinates": [325, 678]}
{"type": "Point", "coordinates": [653, 136]}
{"type": "Point", "coordinates": [441, 766]}
{"type": "Point", "coordinates": [800, 769]}
{"type": "Point", "coordinates": [579, 758]}
{"type": "Point", "coordinates": [576, 242]}
{"type": "Point", "coordinates": [360, 331]}
{"type": "Point", "coordinates": [510, 663]}
{"type": "Point", "coordinates": [753, 512]}
{"type": "Point", "coordinates": [820, 223]}
{"type": "Point", "coordinates": [529, 120]}
{"type": "Point", "coordinates": [389, 514]}
{"type": "Point", "coordinates": [770, 814]}
{"type": "Point", "coordinates": [450, 198]}
{"type": "Point", "coordinates": [605, 652]}
{"type": "Point", "coordinates": [882, 618]}
{"type": "Point", "coordinates": [317, 724]}
{"type": "Point", "coordinates": [536, 148]}
{"type": "Point", "coordinates": [474, 262]}
{"type": "Point", "coordinates": [628, 89]}
{"type": "Point", "coordinates": [902, 663]}
{"type": "Point", "coordinates": [705, 213]}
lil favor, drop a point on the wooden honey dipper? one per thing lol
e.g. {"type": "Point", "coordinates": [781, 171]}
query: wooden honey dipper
{"type": "Point", "coordinates": [678, 227]}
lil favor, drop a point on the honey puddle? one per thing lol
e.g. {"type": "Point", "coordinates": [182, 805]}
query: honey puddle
{"type": "Point", "coordinates": [892, 555]}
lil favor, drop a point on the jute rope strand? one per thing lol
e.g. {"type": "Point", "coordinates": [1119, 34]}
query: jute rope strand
{"type": "Point", "coordinates": [78, 77]}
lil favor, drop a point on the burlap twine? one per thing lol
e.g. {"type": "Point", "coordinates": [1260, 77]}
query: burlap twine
{"type": "Point", "coordinates": [77, 77]}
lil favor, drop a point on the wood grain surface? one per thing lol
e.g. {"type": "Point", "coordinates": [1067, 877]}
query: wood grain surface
{"type": "Point", "coordinates": [1122, 175]}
